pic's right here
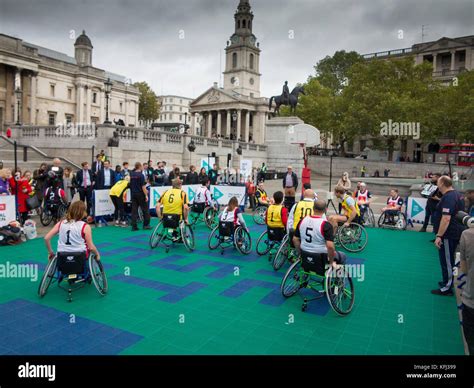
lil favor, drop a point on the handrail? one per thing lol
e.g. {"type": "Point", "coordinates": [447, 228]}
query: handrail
{"type": "Point", "coordinates": [42, 153]}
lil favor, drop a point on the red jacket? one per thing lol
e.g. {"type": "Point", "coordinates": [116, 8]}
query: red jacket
{"type": "Point", "coordinates": [24, 189]}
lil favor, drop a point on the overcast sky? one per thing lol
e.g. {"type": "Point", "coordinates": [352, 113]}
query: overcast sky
{"type": "Point", "coordinates": [141, 38]}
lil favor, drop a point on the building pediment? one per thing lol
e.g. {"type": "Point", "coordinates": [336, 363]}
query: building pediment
{"type": "Point", "coordinates": [213, 96]}
{"type": "Point", "coordinates": [440, 45]}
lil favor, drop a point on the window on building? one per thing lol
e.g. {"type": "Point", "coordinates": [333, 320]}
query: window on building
{"type": "Point", "coordinates": [51, 118]}
{"type": "Point", "coordinates": [243, 23]}
{"type": "Point", "coordinates": [180, 100]}
{"type": "Point", "coordinates": [94, 98]}
{"type": "Point", "coordinates": [51, 90]}
{"type": "Point", "coordinates": [180, 108]}
{"type": "Point", "coordinates": [69, 93]}
{"type": "Point", "coordinates": [180, 118]}
{"type": "Point", "coordinates": [462, 56]}
{"type": "Point", "coordinates": [234, 60]}
{"type": "Point", "coordinates": [121, 106]}
{"type": "Point", "coordinates": [251, 61]}
{"type": "Point", "coordinates": [362, 145]}
{"type": "Point", "coordinates": [171, 100]}
{"type": "Point", "coordinates": [238, 23]}
{"type": "Point", "coordinates": [94, 120]}
{"type": "Point", "coordinates": [69, 119]}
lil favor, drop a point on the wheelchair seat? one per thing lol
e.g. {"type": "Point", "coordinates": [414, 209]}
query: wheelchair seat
{"type": "Point", "coordinates": [226, 228]}
{"type": "Point", "coordinates": [171, 221]}
{"type": "Point", "coordinates": [198, 207]}
{"type": "Point", "coordinates": [314, 262]}
{"type": "Point", "coordinates": [276, 234]}
{"type": "Point", "coordinates": [72, 263]}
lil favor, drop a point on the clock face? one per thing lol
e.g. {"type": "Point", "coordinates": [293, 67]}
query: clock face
{"type": "Point", "coordinates": [235, 39]}
{"type": "Point", "coordinates": [252, 40]}
{"type": "Point", "coordinates": [251, 81]}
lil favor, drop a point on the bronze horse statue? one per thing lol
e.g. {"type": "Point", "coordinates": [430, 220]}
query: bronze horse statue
{"type": "Point", "coordinates": [293, 100]}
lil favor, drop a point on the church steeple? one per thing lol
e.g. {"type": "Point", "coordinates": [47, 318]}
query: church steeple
{"type": "Point", "coordinates": [243, 18]}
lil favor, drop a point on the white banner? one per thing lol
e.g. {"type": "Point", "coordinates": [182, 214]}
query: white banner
{"type": "Point", "coordinates": [416, 209]}
{"type": "Point", "coordinates": [7, 209]}
{"type": "Point", "coordinates": [103, 205]}
{"type": "Point", "coordinates": [221, 194]}
{"type": "Point", "coordinates": [246, 168]}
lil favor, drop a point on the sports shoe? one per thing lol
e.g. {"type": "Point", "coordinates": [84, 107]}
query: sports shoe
{"type": "Point", "coordinates": [117, 223]}
{"type": "Point", "coordinates": [442, 293]}
{"type": "Point", "coordinates": [123, 224]}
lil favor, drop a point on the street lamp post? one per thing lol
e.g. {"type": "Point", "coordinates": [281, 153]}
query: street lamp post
{"type": "Point", "coordinates": [18, 94]}
{"type": "Point", "coordinates": [108, 90]}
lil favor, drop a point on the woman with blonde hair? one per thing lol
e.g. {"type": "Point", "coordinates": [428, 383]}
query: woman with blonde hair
{"type": "Point", "coordinates": [5, 175]}
{"type": "Point", "coordinates": [75, 235]}
{"type": "Point", "coordinates": [344, 181]}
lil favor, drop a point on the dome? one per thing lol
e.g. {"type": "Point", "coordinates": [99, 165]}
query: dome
{"type": "Point", "coordinates": [83, 40]}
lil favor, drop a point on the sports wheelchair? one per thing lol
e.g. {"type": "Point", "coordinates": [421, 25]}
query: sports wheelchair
{"type": "Point", "coordinates": [367, 216]}
{"type": "Point", "coordinates": [52, 212]}
{"type": "Point", "coordinates": [77, 270]}
{"type": "Point", "coordinates": [209, 215]}
{"type": "Point", "coordinates": [393, 219]}
{"type": "Point", "coordinates": [269, 242]}
{"type": "Point", "coordinates": [226, 234]}
{"type": "Point", "coordinates": [352, 238]}
{"type": "Point", "coordinates": [313, 271]}
{"type": "Point", "coordinates": [172, 230]}
{"type": "Point", "coordinates": [285, 252]}
{"type": "Point", "coordinates": [259, 214]}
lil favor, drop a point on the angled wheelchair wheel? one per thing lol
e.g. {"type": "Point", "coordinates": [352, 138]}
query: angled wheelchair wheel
{"type": "Point", "coordinates": [140, 215]}
{"type": "Point", "coordinates": [353, 238]}
{"type": "Point", "coordinates": [48, 276]}
{"type": "Point", "coordinates": [97, 273]}
{"type": "Point", "coordinates": [369, 218]}
{"type": "Point", "coordinates": [46, 217]}
{"type": "Point", "coordinates": [214, 241]}
{"type": "Point", "coordinates": [157, 235]}
{"type": "Point", "coordinates": [339, 290]}
{"type": "Point", "coordinates": [401, 222]}
{"type": "Point", "coordinates": [292, 280]}
{"type": "Point", "coordinates": [282, 254]}
{"type": "Point", "coordinates": [210, 218]}
{"type": "Point", "coordinates": [259, 215]}
{"type": "Point", "coordinates": [381, 220]}
{"type": "Point", "coordinates": [193, 218]}
{"type": "Point", "coordinates": [187, 235]}
{"type": "Point", "coordinates": [263, 244]}
{"type": "Point", "coordinates": [242, 241]}
{"type": "Point", "coordinates": [62, 210]}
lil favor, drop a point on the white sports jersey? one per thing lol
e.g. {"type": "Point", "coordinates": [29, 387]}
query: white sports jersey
{"type": "Point", "coordinates": [71, 237]}
{"type": "Point", "coordinates": [203, 195]}
{"type": "Point", "coordinates": [311, 234]}
{"type": "Point", "coordinates": [362, 196]}
{"type": "Point", "coordinates": [229, 216]}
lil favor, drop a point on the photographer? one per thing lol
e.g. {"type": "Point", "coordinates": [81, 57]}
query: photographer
{"type": "Point", "coordinates": [466, 249]}
{"type": "Point", "coordinates": [430, 191]}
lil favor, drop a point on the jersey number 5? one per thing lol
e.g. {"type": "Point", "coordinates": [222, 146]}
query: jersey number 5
{"type": "Point", "coordinates": [309, 237]}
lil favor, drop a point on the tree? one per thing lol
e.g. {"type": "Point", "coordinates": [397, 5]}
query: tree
{"type": "Point", "coordinates": [148, 107]}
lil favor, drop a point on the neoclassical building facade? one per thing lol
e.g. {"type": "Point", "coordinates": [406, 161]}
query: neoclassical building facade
{"type": "Point", "coordinates": [236, 111]}
{"type": "Point", "coordinates": [39, 86]}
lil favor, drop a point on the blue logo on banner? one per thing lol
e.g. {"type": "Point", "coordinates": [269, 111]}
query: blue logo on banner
{"type": "Point", "coordinates": [156, 197]}
{"type": "Point", "coordinates": [190, 194]}
{"type": "Point", "coordinates": [416, 208]}
{"type": "Point", "coordinates": [217, 194]}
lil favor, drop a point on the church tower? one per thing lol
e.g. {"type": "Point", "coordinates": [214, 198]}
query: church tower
{"type": "Point", "coordinates": [83, 50]}
{"type": "Point", "coordinates": [242, 66]}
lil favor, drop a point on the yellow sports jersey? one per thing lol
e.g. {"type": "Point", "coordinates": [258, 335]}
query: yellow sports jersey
{"type": "Point", "coordinates": [173, 201]}
{"type": "Point", "coordinates": [303, 208]}
{"type": "Point", "coordinates": [261, 195]}
{"type": "Point", "coordinates": [346, 205]}
{"type": "Point", "coordinates": [118, 188]}
{"type": "Point", "coordinates": [274, 216]}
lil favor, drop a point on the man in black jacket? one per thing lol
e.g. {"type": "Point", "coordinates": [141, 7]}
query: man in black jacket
{"type": "Point", "coordinates": [192, 176]}
{"type": "Point", "coordinates": [105, 178]}
{"type": "Point", "coordinates": [85, 185]}
{"type": "Point", "coordinates": [290, 182]}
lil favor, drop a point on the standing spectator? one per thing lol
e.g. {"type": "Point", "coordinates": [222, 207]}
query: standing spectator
{"type": "Point", "coordinates": [125, 169]}
{"type": "Point", "coordinates": [466, 248]}
{"type": "Point", "coordinates": [58, 172]}
{"type": "Point", "coordinates": [118, 173]}
{"type": "Point", "coordinates": [469, 198]}
{"type": "Point", "coordinates": [261, 173]}
{"type": "Point", "coordinates": [386, 172]}
{"type": "Point", "coordinates": [85, 185]}
{"type": "Point", "coordinates": [5, 175]}
{"type": "Point", "coordinates": [290, 182]}
{"type": "Point", "coordinates": [40, 176]}
{"type": "Point", "coordinates": [345, 182]}
{"type": "Point", "coordinates": [139, 195]}
{"type": "Point", "coordinates": [363, 171]}
{"type": "Point", "coordinates": [213, 174]}
{"type": "Point", "coordinates": [68, 184]}
{"type": "Point", "coordinates": [106, 177]}
{"type": "Point", "coordinates": [192, 176]}
{"type": "Point", "coordinates": [202, 175]}
{"type": "Point", "coordinates": [433, 195]}
{"type": "Point", "coordinates": [116, 195]}
{"type": "Point", "coordinates": [21, 186]}
{"type": "Point", "coordinates": [97, 165]}
{"type": "Point", "coordinates": [250, 193]}
{"type": "Point", "coordinates": [174, 174]}
{"type": "Point", "coordinates": [448, 232]}
{"type": "Point", "coordinates": [159, 175]}
{"type": "Point", "coordinates": [150, 173]}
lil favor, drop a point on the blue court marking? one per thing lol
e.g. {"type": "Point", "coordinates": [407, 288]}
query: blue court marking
{"type": "Point", "coordinates": [29, 328]}
{"type": "Point", "coordinates": [140, 253]}
{"type": "Point", "coordinates": [229, 252]}
{"type": "Point", "coordinates": [273, 298]}
{"type": "Point", "coordinates": [137, 238]}
{"type": "Point", "coordinates": [173, 293]}
{"type": "Point", "coordinates": [169, 263]}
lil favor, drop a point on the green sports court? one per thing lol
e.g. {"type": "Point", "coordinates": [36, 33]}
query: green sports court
{"type": "Point", "coordinates": [205, 303]}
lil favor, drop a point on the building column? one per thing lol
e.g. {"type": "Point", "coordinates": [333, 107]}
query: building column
{"type": "Point", "coordinates": [193, 125]}
{"type": "Point", "coordinates": [239, 124]}
{"type": "Point", "coordinates": [88, 104]}
{"type": "Point", "coordinates": [227, 128]}
{"type": "Point", "coordinates": [219, 119]}
{"type": "Point", "coordinates": [247, 127]}
{"type": "Point", "coordinates": [17, 85]}
{"type": "Point", "coordinates": [33, 99]}
{"type": "Point", "coordinates": [453, 58]}
{"type": "Point", "coordinates": [79, 103]}
{"type": "Point", "coordinates": [434, 62]}
{"type": "Point", "coordinates": [126, 110]}
{"type": "Point", "coordinates": [209, 124]}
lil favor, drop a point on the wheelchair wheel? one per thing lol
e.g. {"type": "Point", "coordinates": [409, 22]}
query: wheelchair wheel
{"type": "Point", "coordinates": [242, 241]}
{"type": "Point", "coordinates": [401, 223]}
{"type": "Point", "coordinates": [263, 244]}
{"type": "Point", "coordinates": [339, 290]}
{"type": "Point", "coordinates": [259, 215]}
{"type": "Point", "coordinates": [369, 219]}
{"type": "Point", "coordinates": [157, 235]}
{"type": "Point", "coordinates": [210, 218]}
{"type": "Point", "coordinates": [291, 282]}
{"type": "Point", "coordinates": [46, 217]}
{"type": "Point", "coordinates": [353, 238]}
{"type": "Point", "coordinates": [214, 239]}
{"type": "Point", "coordinates": [282, 254]}
{"type": "Point", "coordinates": [48, 276]}
{"type": "Point", "coordinates": [381, 220]}
{"type": "Point", "coordinates": [187, 235]}
{"type": "Point", "coordinates": [193, 218]}
{"type": "Point", "coordinates": [97, 273]}
{"type": "Point", "coordinates": [62, 210]}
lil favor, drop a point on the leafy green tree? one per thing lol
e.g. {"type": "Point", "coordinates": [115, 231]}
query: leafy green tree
{"type": "Point", "coordinates": [149, 109]}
